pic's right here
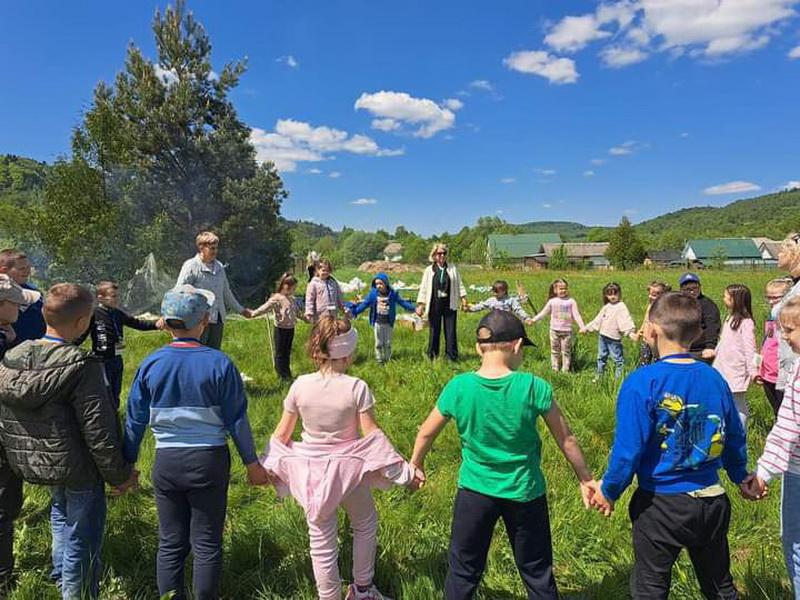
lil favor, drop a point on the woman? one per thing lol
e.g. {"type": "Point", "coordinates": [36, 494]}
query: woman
{"type": "Point", "coordinates": [438, 300]}
{"type": "Point", "coordinates": [789, 261]}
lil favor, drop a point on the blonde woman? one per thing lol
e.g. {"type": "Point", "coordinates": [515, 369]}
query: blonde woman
{"type": "Point", "coordinates": [438, 301]}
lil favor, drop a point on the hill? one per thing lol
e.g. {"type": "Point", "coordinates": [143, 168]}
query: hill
{"type": "Point", "coordinates": [568, 230]}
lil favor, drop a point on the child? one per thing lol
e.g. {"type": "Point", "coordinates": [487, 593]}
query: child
{"type": "Point", "coordinates": [613, 322]}
{"type": "Point", "coordinates": [30, 324]}
{"type": "Point", "coordinates": [736, 351]}
{"type": "Point", "coordinates": [502, 301]}
{"type": "Point", "coordinates": [108, 341]}
{"type": "Point", "coordinates": [58, 429]}
{"type": "Point", "coordinates": [323, 294]}
{"type": "Point", "coordinates": [563, 310]}
{"type": "Point", "coordinates": [782, 451]}
{"type": "Point", "coordinates": [333, 406]}
{"type": "Point", "coordinates": [768, 367]}
{"type": "Point", "coordinates": [495, 410]}
{"type": "Point", "coordinates": [287, 310]}
{"type": "Point", "coordinates": [677, 425]}
{"type": "Point", "coordinates": [382, 301]}
{"type": "Point", "coordinates": [193, 398]}
{"type": "Point", "coordinates": [654, 291]}
{"type": "Point", "coordinates": [13, 300]}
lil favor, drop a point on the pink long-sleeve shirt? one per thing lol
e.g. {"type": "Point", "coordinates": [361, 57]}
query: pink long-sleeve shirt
{"type": "Point", "coordinates": [614, 321]}
{"type": "Point", "coordinates": [736, 352]}
{"type": "Point", "coordinates": [563, 312]}
{"type": "Point", "coordinates": [782, 449]}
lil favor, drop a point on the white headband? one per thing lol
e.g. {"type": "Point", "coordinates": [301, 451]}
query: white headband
{"type": "Point", "coordinates": [343, 345]}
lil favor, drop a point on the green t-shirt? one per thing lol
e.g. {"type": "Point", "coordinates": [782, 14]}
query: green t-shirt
{"type": "Point", "coordinates": [496, 420]}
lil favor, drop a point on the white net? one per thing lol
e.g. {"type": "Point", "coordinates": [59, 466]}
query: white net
{"type": "Point", "coordinates": [144, 291]}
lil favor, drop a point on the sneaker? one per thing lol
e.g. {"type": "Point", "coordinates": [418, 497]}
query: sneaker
{"type": "Point", "coordinates": [371, 593]}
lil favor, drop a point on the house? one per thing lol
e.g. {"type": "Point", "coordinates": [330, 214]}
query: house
{"type": "Point", "coordinates": [664, 258]}
{"type": "Point", "coordinates": [769, 250]}
{"type": "Point", "coordinates": [732, 252]}
{"type": "Point", "coordinates": [522, 249]}
{"type": "Point", "coordinates": [592, 254]}
{"type": "Point", "coordinates": [393, 252]}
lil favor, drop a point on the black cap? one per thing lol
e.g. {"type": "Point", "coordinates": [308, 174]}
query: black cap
{"type": "Point", "coordinates": [503, 326]}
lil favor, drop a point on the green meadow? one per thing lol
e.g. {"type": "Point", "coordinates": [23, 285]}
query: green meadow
{"type": "Point", "coordinates": [266, 546]}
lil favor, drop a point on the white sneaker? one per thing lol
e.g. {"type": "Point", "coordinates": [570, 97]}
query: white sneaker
{"type": "Point", "coordinates": [371, 593]}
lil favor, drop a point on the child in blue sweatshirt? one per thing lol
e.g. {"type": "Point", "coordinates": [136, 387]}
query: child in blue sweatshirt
{"type": "Point", "coordinates": [382, 301]}
{"type": "Point", "coordinates": [677, 425]}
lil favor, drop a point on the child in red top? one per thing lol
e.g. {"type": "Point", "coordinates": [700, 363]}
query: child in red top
{"type": "Point", "coordinates": [768, 370]}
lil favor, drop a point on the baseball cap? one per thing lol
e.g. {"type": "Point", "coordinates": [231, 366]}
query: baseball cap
{"type": "Point", "coordinates": [503, 327]}
{"type": "Point", "coordinates": [11, 291]}
{"type": "Point", "coordinates": [187, 304]}
{"type": "Point", "coordinates": [688, 278]}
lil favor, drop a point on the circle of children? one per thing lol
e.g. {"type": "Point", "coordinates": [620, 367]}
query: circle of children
{"type": "Point", "coordinates": [679, 420]}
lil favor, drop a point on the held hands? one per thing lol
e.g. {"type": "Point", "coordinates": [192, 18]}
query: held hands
{"type": "Point", "coordinates": [753, 487]}
{"type": "Point", "coordinates": [131, 485]}
{"type": "Point", "coordinates": [530, 322]}
{"type": "Point", "coordinates": [419, 478]}
{"type": "Point", "coordinates": [420, 310]}
{"type": "Point", "coordinates": [247, 313]}
{"type": "Point", "coordinates": [708, 353]}
{"type": "Point", "coordinates": [593, 497]}
{"type": "Point", "coordinates": [257, 474]}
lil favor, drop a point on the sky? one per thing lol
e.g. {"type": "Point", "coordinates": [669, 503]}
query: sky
{"type": "Point", "coordinates": [432, 114]}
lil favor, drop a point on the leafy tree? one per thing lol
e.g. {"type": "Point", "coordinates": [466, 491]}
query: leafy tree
{"type": "Point", "coordinates": [718, 258]}
{"type": "Point", "coordinates": [558, 259]}
{"type": "Point", "coordinates": [625, 249]}
{"type": "Point", "coordinates": [359, 247]}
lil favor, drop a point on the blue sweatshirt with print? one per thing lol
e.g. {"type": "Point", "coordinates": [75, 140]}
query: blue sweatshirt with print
{"type": "Point", "coordinates": [393, 299]}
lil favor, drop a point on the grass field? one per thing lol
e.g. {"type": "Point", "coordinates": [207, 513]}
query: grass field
{"type": "Point", "coordinates": [266, 546]}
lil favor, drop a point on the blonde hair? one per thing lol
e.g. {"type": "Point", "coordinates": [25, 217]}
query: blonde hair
{"type": "Point", "coordinates": [790, 311]}
{"type": "Point", "coordinates": [324, 331]}
{"type": "Point", "coordinates": [206, 238]}
{"type": "Point", "coordinates": [782, 283]}
{"type": "Point", "coordinates": [66, 303]}
{"type": "Point", "coordinates": [437, 247]}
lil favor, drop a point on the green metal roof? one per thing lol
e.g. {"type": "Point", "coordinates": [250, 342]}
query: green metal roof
{"type": "Point", "coordinates": [733, 248]}
{"type": "Point", "coordinates": [520, 245]}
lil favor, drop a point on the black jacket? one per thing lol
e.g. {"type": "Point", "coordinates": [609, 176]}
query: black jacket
{"type": "Point", "coordinates": [108, 335]}
{"type": "Point", "coordinates": [57, 423]}
{"type": "Point", "coordinates": [711, 324]}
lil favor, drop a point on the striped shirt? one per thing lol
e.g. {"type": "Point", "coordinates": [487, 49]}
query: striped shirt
{"type": "Point", "coordinates": [782, 449]}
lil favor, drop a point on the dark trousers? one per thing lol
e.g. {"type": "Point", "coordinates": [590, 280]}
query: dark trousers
{"type": "Point", "coordinates": [647, 355]}
{"type": "Point", "coordinates": [114, 368]}
{"type": "Point", "coordinates": [191, 491]}
{"type": "Point", "coordinates": [774, 396]}
{"type": "Point", "coordinates": [440, 313]}
{"type": "Point", "coordinates": [528, 528]}
{"type": "Point", "coordinates": [283, 351]}
{"type": "Point", "coordinates": [212, 335]}
{"type": "Point", "coordinates": [10, 505]}
{"type": "Point", "coordinates": [665, 524]}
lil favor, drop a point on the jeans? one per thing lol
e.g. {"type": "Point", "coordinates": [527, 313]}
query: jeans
{"type": "Point", "coordinates": [114, 368]}
{"type": "Point", "coordinates": [528, 528]}
{"type": "Point", "coordinates": [383, 341]}
{"type": "Point", "coordinates": [283, 338]}
{"type": "Point", "coordinates": [212, 335]}
{"type": "Point", "coordinates": [77, 521]}
{"type": "Point", "coordinates": [10, 505]}
{"type": "Point", "coordinates": [790, 528]}
{"type": "Point", "coordinates": [605, 347]}
{"type": "Point", "coordinates": [191, 490]}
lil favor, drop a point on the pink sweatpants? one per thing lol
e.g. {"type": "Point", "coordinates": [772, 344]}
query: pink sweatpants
{"type": "Point", "coordinates": [323, 538]}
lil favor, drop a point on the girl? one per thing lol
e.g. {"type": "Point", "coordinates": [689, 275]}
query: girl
{"type": "Point", "coordinates": [563, 310]}
{"type": "Point", "coordinates": [333, 406]}
{"type": "Point", "coordinates": [287, 310]}
{"type": "Point", "coordinates": [768, 367]}
{"type": "Point", "coordinates": [323, 294]}
{"type": "Point", "coordinates": [613, 322]}
{"type": "Point", "coordinates": [736, 350]}
{"type": "Point", "coordinates": [655, 290]}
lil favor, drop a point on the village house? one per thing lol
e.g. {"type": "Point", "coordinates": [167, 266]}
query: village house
{"type": "Point", "coordinates": [524, 250]}
{"type": "Point", "coordinates": [586, 254]}
{"type": "Point", "coordinates": [731, 252]}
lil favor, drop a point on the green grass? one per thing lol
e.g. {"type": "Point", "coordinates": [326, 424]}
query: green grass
{"type": "Point", "coordinates": [266, 545]}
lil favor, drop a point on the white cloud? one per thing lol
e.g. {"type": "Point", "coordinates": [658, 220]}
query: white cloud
{"type": "Point", "coordinates": [597, 161]}
{"type": "Point", "coordinates": [617, 57]}
{"type": "Point", "coordinates": [539, 62]}
{"type": "Point", "coordinates": [733, 187]}
{"type": "Point", "coordinates": [791, 185]}
{"type": "Point", "coordinates": [400, 106]}
{"type": "Point", "coordinates": [296, 141]}
{"type": "Point", "coordinates": [547, 205]}
{"type": "Point", "coordinates": [289, 61]}
{"type": "Point", "coordinates": [545, 172]}
{"type": "Point", "coordinates": [684, 135]}
{"type": "Point", "coordinates": [482, 84]}
{"type": "Point", "coordinates": [315, 171]}
{"type": "Point", "coordinates": [454, 104]}
{"type": "Point", "coordinates": [588, 173]}
{"type": "Point", "coordinates": [574, 33]}
{"type": "Point", "coordinates": [334, 174]}
{"type": "Point", "coordinates": [364, 202]}
{"type": "Point", "coordinates": [385, 124]}
{"type": "Point", "coordinates": [626, 148]}
{"type": "Point", "coordinates": [794, 52]}
{"type": "Point", "coordinates": [508, 180]}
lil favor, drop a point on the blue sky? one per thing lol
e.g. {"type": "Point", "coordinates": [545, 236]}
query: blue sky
{"type": "Point", "coordinates": [429, 115]}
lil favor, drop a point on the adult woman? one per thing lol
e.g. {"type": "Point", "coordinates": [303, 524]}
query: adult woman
{"type": "Point", "coordinates": [204, 271]}
{"type": "Point", "coordinates": [438, 299]}
{"type": "Point", "coordinates": [789, 261]}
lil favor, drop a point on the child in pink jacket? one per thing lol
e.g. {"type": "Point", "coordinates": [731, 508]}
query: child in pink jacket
{"type": "Point", "coordinates": [334, 465]}
{"type": "Point", "coordinates": [323, 294]}
{"type": "Point", "coordinates": [736, 350]}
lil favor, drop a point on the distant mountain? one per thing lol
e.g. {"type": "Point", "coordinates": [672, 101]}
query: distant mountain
{"type": "Point", "coordinates": [569, 231]}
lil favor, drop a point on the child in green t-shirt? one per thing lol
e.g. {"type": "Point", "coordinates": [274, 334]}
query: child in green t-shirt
{"type": "Point", "coordinates": [495, 409]}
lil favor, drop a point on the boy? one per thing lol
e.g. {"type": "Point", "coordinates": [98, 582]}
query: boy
{"type": "Point", "coordinates": [502, 301]}
{"type": "Point", "coordinates": [382, 301]}
{"type": "Point", "coordinates": [13, 300]}
{"type": "Point", "coordinates": [495, 409]}
{"type": "Point", "coordinates": [677, 425]}
{"type": "Point", "coordinates": [192, 396]}
{"type": "Point", "coordinates": [108, 341]}
{"type": "Point", "coordinates": [58, 429]}
{"type": "Point", "coordinates": [30, 324]}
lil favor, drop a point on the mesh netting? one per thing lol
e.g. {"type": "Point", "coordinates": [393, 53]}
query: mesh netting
{"type": "Point", "coordinates": [144, 291]}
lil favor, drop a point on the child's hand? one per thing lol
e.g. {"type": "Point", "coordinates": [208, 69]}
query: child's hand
{"type": "Point", "coordinates": [708, 353]}
{"type": "Point", "coordinates": [257, 474]}
{"type": "Point", "coordinates": [583, 331]}
{"type": "Point", "coordinates": [753, 487]}
{"type": "Point", "coordinates": [600, 502]}
{"type": "Point", "coordinates": [419, 478]}
{"type": "Point", "coordinates": [588, 491]}
{"type": "Point", "coordinates": [130, 485]}
{"type": "Point", "coordinates": [530, 322]}
{"type": "Point", "coordinates": [758, 380]}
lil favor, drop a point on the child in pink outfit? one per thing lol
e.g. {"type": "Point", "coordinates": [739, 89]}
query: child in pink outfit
{"type": "Point", "coordinates": [334, 466]}
{"type": "Point", "coordinates": [735, 355]}
{"type": "Point", "coordinates": [768, 362]}
{"type": "Point", "coordinates": [563, 312]}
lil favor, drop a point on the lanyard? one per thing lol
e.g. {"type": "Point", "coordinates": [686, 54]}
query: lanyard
{"type": "Point", "coordinates": [52, 338]}
{"type": "Point", "coordinates": [442, 271]}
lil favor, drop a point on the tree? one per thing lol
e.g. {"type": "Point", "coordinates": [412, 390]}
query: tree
{"type": "Point", "coordinates": [558, 259]}
{"type": "Point", "coordinates": [625, 249]}
{"type": "Point", "coordinates": [718, 258]}
{"type": "Point", "coordinates": [172, 158]}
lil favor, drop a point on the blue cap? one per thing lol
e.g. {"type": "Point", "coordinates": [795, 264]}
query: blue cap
{"type": "Point", "coordinates": [688, 278]}
{"type": "Point", "coordinates": [187, 304]}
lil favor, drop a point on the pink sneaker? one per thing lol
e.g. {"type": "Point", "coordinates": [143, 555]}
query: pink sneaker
{"type": "Point", "coordinates": [371, 593]}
